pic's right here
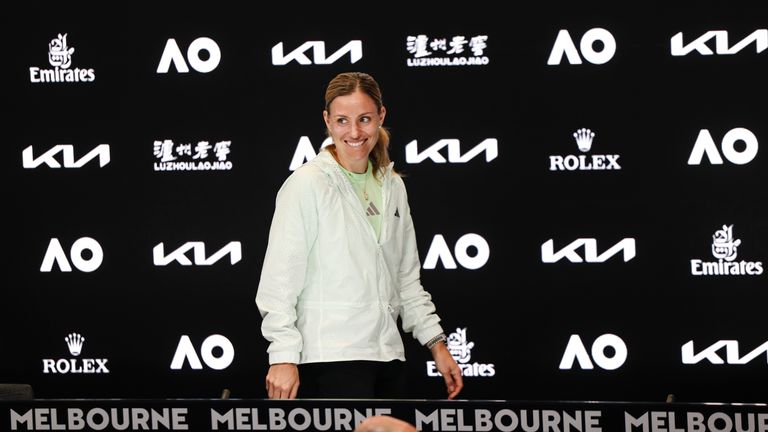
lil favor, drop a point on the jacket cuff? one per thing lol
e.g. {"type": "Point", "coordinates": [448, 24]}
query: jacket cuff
{"type": "Point", "coordinates": [284, 357]}
{"type": "Point", "coordinates": [426, 334]}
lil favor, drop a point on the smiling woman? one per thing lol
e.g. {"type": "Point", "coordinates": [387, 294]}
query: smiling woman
{"type": "Point", "coordinates": [342, 266]}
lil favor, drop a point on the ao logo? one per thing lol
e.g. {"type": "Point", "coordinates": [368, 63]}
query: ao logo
{"type": "Point", "coordinates": [576, 351]}
{"type": "Point", "coordinates": [172, 53]}
{"type": "Point", "coordinates": [439, 250]}
{"type": "Point", "coordinates": [306, 152]}
{"type": "Point", "coordinates": [706, 145]}
{"type": "Point", "coordinates": [186, 351]}
{"type": "Point", "coordinates": [564, 46]}
{"type": "Point", "coordinates": [55, 253]}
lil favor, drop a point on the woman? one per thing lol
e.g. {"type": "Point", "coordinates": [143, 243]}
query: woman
{"type": "Point", "coordinates": [341, 265]}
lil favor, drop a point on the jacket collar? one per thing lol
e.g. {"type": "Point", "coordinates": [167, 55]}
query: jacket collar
{"type": "Point", "coordinates": [325, 161]}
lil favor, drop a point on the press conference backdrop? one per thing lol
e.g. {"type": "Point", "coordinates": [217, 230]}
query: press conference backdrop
{"type": "Point", "coordinates": [587, 185]}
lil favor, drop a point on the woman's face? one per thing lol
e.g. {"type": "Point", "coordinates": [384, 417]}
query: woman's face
{"type": "Point", "coordinates": [353, 123]}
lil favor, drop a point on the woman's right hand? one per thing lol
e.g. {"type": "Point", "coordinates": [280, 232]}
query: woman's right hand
{"type": "Point", "coordinates": [283, 381]}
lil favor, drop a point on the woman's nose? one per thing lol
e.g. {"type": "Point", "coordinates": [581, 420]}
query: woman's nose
{"type": "Point", "coordinates": [354, 130]}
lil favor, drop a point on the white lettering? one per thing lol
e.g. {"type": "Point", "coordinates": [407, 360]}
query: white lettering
{"type": "Point", "coordinates": [627, 246]}
{"type": "Point", "coordinates": [186, 351]}
{"type": "Point", "coordinates": [458, 419]}
{"type": "Point", "coordinates": [706, 145]}
{"type": "Point", "coordinates": [489, 145]}
{"type": "Point", "coordinates": [354, 48]}
{"type": "Point", "coordinates": [439, 250]}
{"type": "Point", "coordinates": [575, 350]}
{"type": "Point", "coordinates": [55, 254]}
{"type": "Point", "coordinates": [564, 46]}
{"type": "Point", "coordinates": [677, 48]}
{"type": "Point", "coordinates": [172, 53]}
{"type": "Point", "coordinates": [179, 255]}
{"type": "Point", "coordinates": [732, 353]}
{"type": "Point", "coordinates": [29, 161]}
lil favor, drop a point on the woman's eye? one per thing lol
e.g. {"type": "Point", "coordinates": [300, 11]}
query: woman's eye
{"type": "Point", "coordinates": [365, 120]}
{"type": "Point", "coordinates": [341, 121]}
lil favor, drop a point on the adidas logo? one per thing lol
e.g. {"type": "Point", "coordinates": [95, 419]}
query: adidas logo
{"type": "Point", "coordinates": [74, 343]}
{"type": "Point", "coordinates": [372, 210]}
{"type": "Point", "coordinates": [397, 212]}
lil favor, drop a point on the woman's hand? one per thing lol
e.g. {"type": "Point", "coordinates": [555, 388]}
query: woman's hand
{"type": "Point", "coordinates": [283, 381]}
{"type": "Point", "coordinates": [447, 366]}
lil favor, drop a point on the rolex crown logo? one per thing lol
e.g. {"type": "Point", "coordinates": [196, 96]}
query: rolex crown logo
{"type": "Point", "coordinates": [74, 343]}
{"type": "Point", "coordinates": [584, 139]}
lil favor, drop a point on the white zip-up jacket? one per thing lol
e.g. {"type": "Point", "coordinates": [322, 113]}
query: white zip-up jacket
{"type": "Point", "coordinates": [329, 290]}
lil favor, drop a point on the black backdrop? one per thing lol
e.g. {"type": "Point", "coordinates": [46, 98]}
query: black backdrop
{"type": "Point", "coordinates": [646, 106]}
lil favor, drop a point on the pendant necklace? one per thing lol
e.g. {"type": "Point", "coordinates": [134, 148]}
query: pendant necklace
{"type": "Point", "coordinates": [369, 177]}
{"type": "Point", "coordinates": [359, 185]}
{"type": "Point", "coordinates": [365, 186]}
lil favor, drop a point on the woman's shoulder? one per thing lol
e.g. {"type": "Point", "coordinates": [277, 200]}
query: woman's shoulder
{"type": "Point", "coordinates": [307, 177]}
{"type": "Point", "coordinates": [308, 171]}
{"type": "Point", "coordinates": [395, 179]}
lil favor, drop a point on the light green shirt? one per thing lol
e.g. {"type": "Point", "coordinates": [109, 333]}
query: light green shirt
{"type": "Point", "coordinates": [368, 190]}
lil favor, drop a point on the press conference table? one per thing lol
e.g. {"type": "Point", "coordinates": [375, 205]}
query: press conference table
{"type": "Point", "coordinates": [343, 414]}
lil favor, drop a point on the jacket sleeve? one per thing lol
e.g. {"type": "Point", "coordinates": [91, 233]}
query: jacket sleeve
{"type": "Point", "coordinates": [291, 235]}
{"type": "Point", "coordinates": [417, 310]}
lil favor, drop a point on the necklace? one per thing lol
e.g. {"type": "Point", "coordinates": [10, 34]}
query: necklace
{"type": "Point", "coordinates": [359, 183]}
{"type": "Point", "coordinates": [365, 187]}
{"type": "Point", "coordinates": [369, 178]}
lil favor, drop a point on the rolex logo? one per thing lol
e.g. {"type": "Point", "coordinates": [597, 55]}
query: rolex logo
{"type": "Point", "coordinates": [75, 365]}
{"type": "Point", "coordinates": [584, 139]}
{"type": "Point", "coordinates": [74, 343]}
{"type": "Point", "coordinates": [584, 162]}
